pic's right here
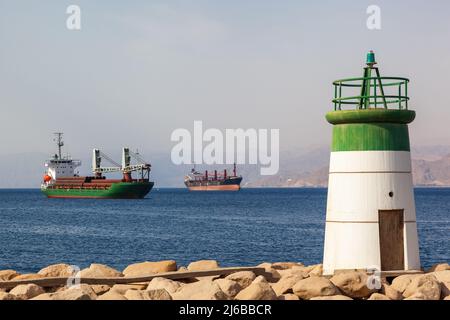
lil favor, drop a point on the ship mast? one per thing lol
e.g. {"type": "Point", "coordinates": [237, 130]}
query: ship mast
{"type": "Point", "coordinates": [59, 142]}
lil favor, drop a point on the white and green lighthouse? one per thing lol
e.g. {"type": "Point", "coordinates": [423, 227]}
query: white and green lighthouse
{"type": "Point", "coordinates": [371, 218]}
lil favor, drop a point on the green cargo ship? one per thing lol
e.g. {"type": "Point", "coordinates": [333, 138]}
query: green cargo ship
{"type": "Point", "coordinates": [61, 180]}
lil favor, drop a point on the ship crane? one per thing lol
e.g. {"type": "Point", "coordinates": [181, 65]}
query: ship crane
{"type": "Point", "coordinates": [126, 167]}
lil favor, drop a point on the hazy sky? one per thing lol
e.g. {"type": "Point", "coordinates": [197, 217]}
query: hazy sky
{"type": "Point", "coordinates": [140, 69]}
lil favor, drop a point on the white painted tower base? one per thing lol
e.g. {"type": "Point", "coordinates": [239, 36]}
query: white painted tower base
{"type": "Point", "coordinates": [361, 183]}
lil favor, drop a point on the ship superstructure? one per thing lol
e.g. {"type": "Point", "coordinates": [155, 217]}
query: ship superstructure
{"type": "Point", "coordinates": [59, 165]}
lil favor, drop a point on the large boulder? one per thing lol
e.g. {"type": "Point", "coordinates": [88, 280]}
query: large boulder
{"type": "Point", "coordinates": [148, 268]}
{"type": "Point", "coordinates": [378, 296]}
{"type": "Point", "coordinates": [200, 290]}
{"type": "Point", "coordinates": [57, 270]}
{"type": "Point", "coordinates": [27, 291]}
{"type": "Point", "coordinates": [97, 270]}
{"type": "Point", "coordinates": [244, 278]}
{"type": "Point", "coordinates": [426, 286]}
{"type": "Point", "coordinates": [286, 283]}
{"type": "Point", "coordinates": [258, 290]}
{"type": "Point", "coordinates": [29, 276]}
{"type": "Point", "coordinates": [401, 282]}
{"type": "Point", "coordinates": [203, 265]}
{"type": "Point", "coordinates": [314, 287]}
{"type": "Point", "coordinates": [439, 267]}
{"type": "Point", "coordinates": [87, 289]}
{"type": "Point", "coordinates": [78, 292]}
{"type": "Point", "coordinates": [272, 274]}
{"type": "Point", "coordinates": [229, 287]}
{"type": "Point", "coordinates": [163, 283]}
{"type": "Point", "coordinates": [353, 284]}
{"type": "Point", "coordinates": [390, 292]}
{"type": "Point", "coordinates": [100, 288]}
{"type": "Point", "coordinates": [112, 295]}
{"type": "Point", "coordinates": [335, 297]}
{"type": "Point", "coordinates": [6, 275]}
{"type": "Point", "coordinates": [157, 294]}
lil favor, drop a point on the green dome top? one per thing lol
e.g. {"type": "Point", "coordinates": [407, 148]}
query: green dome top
{"type": "Point", "coordinates": [371, 116]}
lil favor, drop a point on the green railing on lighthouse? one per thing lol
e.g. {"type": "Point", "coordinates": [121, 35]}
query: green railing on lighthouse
{"type": "Point", "coordinates": [372, 90]}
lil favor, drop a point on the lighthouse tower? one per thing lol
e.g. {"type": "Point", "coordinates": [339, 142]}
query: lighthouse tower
{"type": "Point", "coordinates": [371, 218]}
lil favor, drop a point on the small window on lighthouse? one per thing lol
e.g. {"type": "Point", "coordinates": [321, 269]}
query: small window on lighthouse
{"type": "Point", "coordinates": [391, 194]}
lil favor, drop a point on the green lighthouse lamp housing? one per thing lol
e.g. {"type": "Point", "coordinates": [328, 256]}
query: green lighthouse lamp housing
{"type": "Point", "coordinates": [371, 107]}
{"type": "Point", "coordinates": [371, 58]}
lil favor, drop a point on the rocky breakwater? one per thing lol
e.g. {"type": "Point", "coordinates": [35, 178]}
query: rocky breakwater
{"type": "Point", "coordinates": [281, 281]}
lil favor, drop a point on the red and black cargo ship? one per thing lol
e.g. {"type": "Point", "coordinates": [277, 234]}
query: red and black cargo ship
{"type": "Point", "coordinates": [196, 181]}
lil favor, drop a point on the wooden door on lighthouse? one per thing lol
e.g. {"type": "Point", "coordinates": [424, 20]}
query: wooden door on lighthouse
{"type": "Point", "coordinates": [391, 239]}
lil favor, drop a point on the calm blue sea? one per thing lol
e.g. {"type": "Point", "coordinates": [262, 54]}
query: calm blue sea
{"type": "Point", "coordinates": [237, 229]}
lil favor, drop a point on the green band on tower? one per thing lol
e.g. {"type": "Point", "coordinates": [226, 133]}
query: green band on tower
{"type": "Point", "coordinates": [370, 137]}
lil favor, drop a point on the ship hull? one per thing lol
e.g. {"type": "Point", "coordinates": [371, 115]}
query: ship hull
{"type": "Point", "coordinates": [231, 184]}
{"type": "Point", "coordinates": [215, 188]}
{"type": "Point", "coordinates": [120, 190]}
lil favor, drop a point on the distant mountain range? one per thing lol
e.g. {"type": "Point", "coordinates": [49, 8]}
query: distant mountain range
{"type": "Point", "coordinates": [307, 167]}
{"type": "Point", "coordinates": [431, 167]}
{"type": "Point", "coordinates": [432, 172]}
